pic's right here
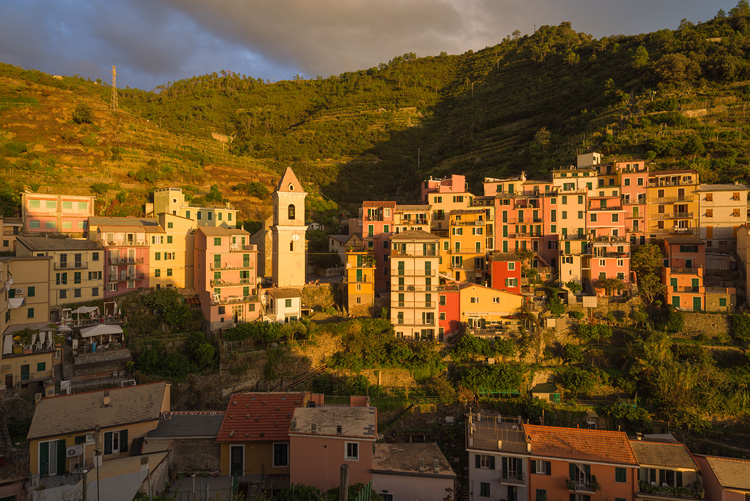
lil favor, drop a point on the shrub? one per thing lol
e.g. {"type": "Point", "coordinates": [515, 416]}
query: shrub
{"type": "Point", "coordinates": [83, 114]}
{"type": "Point", "coordinates": [577, 380]}
{"type": "Point", "coordinates": [740, 327]}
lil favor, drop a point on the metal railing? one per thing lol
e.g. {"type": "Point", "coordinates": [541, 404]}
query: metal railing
{"type": "Point", "coordinates": [71, 266]}
{"type": "Point", "coordinates": [400, 253]}
{"type": "Point", "coordinates": [673, 215]}
{"type": "Point", "coordinates": [239, 248]}
{"type": "Point", "coordinates": [414, 304]}
{"type": "Point", "coordinates": [230, 281]}
{"type": "Point", "coordinates": [685, 271]}
{"type": "Point", "coordinates": [233, 300]}
{"type": "Point", "coordinates": [120, 261]}
{"type": "Point", "coordinates": [226, 266]}
{"type": "Point", "coordinates": [668, 200]}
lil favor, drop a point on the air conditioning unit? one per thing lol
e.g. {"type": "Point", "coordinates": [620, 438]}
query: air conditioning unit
{"type": "Point", "coordinates": [19, 291]}
{"type": "Point", "coordinates": [74, 451]}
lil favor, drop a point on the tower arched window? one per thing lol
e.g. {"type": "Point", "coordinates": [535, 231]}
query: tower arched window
{"type": "Point", "coordinates": [291, 212]}
{"type": "Point", "coordinates": [291, 246]}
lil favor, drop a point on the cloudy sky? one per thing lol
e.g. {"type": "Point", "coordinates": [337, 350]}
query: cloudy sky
{"type": "Point", "coordinates": [156, 41]}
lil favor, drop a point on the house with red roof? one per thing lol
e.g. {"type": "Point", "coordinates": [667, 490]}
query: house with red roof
{"type": "Point", "coordinates": [515, 461]}
{"type": "Point", "coordinates": [254, 436]}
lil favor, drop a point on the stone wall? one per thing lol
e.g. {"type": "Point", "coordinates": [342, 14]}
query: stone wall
{"type": "Point", "coordinates": [710, 324]}
{"type": "Point", "coordinates": [196, 455]}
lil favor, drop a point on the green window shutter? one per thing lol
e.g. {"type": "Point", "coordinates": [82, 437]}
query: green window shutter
{"type": "Point", "coordinates": [572, 468]}
{"type": "Point", "coordinates": [477, 460]}
{"type": "Point", "coordinates": [504, 465]}
{"type": "Point", "coordinates": [44, 459]}
{"type": "Point", "coordinates": [80, 439]}
{"type": "Point", "coordinates": [587, 469]}
{"type": "Point", "coordinates": [108, 443]}
{"type": "Point", "coordinates": [548, 469]}
{"type": "Point", "coordinates": [124, 441]}
{"type": "Point", "coordinates": [61, 456]}
{"type": "Point", "coordinates": [492, 462]}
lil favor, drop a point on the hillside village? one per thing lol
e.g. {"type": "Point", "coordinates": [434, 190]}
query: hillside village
{"type": "Point", "coordinates": [451, 270]}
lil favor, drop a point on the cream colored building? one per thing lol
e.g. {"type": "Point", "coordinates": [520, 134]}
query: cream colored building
{"type": "Point", "coordinates": [414, 284]}
{"type": "Point", "coordinates": [288, 230]}
{"type": "Point", "coordinates": [11, 227]}
{"type": "Point", "coordinates": [723, 209]}
{"type": "Point", "coordinates": [441, 205]}
{"type": "Point", "coordinates": [172, 201]}
{"type": "Point", "coordinates": [171, 252]}
{"type": "Point", "coordinates": [468, 244]}
{"type": "Point", "coordinates": [411, 217]}
{"type": "Point", "coordinates": [76, 267]}
{"type": "Point", "coordinates": [673, 204]}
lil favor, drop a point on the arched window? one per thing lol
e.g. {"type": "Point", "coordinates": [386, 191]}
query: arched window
{"type": "Point", "coordinates": [291, 246]}
{"type": "Point", "coordinates": [291, 187]}
{"type": "Point", "coordinates": [291, 212]}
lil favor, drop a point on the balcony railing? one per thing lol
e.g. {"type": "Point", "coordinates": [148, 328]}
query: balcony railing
{"type": "Point", "coordinates": [121, 261]}
{"type": "Point", "coordinates": [401, 253]}
{"type": "Point", "coordinates": [670, 200]}
{"type": "Point", "coordinates": [127, 277]}
{"type": "Point", "coordinates": [233, 299]}
{"type": "Point", "coordinates": [229, 282]}
{"type": "Point", "coordinates": [363, 280]}
{"type": "Point", "coordinates": [127, 243]}
{"type": "Point", "coordinates": [673, 215]}
{"type": "Point", "coordinates": [479, 222]}
{"type": "Point", "coordinates": [682, 231]}
{"type": "Point", "coordinates": [685, 288]}
{"type": "Point", "coordinates": [512, 478]}
{"type": "Point", "coordinates": [606, 208]}
{"type": "Point", "coordinates": [418, 288]}
{"type": "Point", "coordinates": [612, 254]}
{"type": "Point", "coordinates": [575, 236]}
{"type": "Point", "coordinates": [684, 271]}
{"type": "Point", "coordinates": [226, 266]}
{"type": "Point", "coordinates": [414, 304]}
{"type": "Point", "coordinates": [634, 201]}
{"type": "Point", "coordinates": [239, 248]}
{"type": "Point", "coordinates": [582, 486]}
{"type": "Point", "coordinates": [75, 265]}
{"type": "Point", "coordinates": [683, 492]}
{"type": "Point", "coordinates": [417, 323]}
{"type": "Point", "coordinates": [416, 273]}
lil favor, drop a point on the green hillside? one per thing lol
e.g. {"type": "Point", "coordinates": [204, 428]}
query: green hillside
{"type": "Point", "coordinates": [676, 97]}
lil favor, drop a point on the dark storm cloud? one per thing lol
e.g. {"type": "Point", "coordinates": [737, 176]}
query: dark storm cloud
{"type": "Point", "coordinates": [155, 41]}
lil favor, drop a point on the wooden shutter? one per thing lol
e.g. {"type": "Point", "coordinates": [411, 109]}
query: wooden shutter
{"type": "Point", "coordinates": [108, 443]}
{"type": "Point", "coordinates": [477, 461]}
{"type": "Point", "coordinates": [572, 468]}
{"type": "Point", "coordinates": [61, 456]}
{"type": "Point", "coordinates": [492, 462]}
{"type": "Point", "coordinates": [548, 468]}
{"type": "Point", "coordinates": [124, 441]}
{"type": "Point", "coordinates": [504, 466]}
{"type": "Point", "coordinates": [44, 459]}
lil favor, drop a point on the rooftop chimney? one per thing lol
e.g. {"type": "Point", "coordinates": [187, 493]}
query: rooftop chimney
{"type": "Point", "coordinates": [107, 399]}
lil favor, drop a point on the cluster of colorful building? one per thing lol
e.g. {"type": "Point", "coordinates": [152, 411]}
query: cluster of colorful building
{"type": "Point", "coordinates": [438, 264]}
{"type": "Point", "coordinates": [127, 440]}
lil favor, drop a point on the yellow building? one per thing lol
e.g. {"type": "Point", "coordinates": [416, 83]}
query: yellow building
{"type": "Point", "coordinates": [11, 228]}
{"type": "Point", "coordinates": [468, 243]}
{"type": "Point", "coordinates": [172, 201]}
{"type": "Point", "coordinates": [674, 203]}
{"type": "Point", "coordinates": [414, 284]}
{"type": "Point", "coordinates": [441, 205]}
{"type": "Point", "coordinates": [482, 307]}
{"type": "Point", "coordinates": [107, 420]}
{"type": "Point", "coordinates": [723, 209]}
{"type": "Point", "coordinates": [76, 267]}
{"type": "Point", "coordinates": [360, 283]}
{"type": "Point", "coordinates": [171, 251]}
{"type": "Point", "coordinates": [28, 358]}
{"type": "Point", "coordinates": [411, 217]}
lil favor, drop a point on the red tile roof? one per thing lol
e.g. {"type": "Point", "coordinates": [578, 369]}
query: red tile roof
{"type": "Point", "coordinates": [254, 417]}
{"type": "Point", "coordinates": [580, 443]}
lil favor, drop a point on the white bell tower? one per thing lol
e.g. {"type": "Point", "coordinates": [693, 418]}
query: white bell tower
{"type": "Point", "coordinates": [288, 230]}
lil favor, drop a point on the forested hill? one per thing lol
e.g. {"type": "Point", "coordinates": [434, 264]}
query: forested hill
{"type": "Point", "coordinates": [676, 97]}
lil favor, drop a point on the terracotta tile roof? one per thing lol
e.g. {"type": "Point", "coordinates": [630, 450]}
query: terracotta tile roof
{"type": "Point", "coordinates": [254, 417]}
{"type": "Point", "coordinates": [580, 443]}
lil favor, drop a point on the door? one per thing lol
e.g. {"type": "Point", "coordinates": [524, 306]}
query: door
{"type": "Point", "coordinates": [697, 304]}
{"type": "Point", "coordinates": [63, 261]}
{"type": "Point", "coordinates": [676, 301]}
{"type": "Point", "coordinates": [9, 381]}
{"type": "Point", "coordinates": [25, 372]}
{"type": "Point", "coordinates": [237, 460]}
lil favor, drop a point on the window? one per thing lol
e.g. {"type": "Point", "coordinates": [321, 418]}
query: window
{"type": "Point", "coordinates": [77, 277]}
{"type": "Point", "coordinates": [736, 212]}
{"type": "Point", "coordinates": [210, 216]}
{"type": "Point", "coordinates": [540, 467]}
{"type": "Point", "coordinates": [217, 241]}
{"type": "Point", "coordinates": [41, 366]}
{"type": "Point", "coordinates": [722, 301]}
{"type": "Point", "coordinates": [157, 256]}
{"type": "Point", "coordinates": [157, 272]}
{"type": "Point", "coordinates": [169, 239]}
{"type": "Point", "coordinates": [352, 451]}
{"type": "Point", "coordinates": [50, 225]}
{"type": "Point", "coordinates": [615, 218]}
{"type": "Point", "coordinates": [95, 291]}
{"type": "Point", "coordinates": [288, 303]}
{"type": "Point", "coordinates": [31, 292]}
{"type": "Point", "coordinates": [77, 292]}
{"type": "Point", "coordinates": [34, 204]}
{"type": "Point", "coordinates": [541, 495]}
{"type": "Point", "coordinates": [621, 475]}
{"type": "Point", "coordinates": [222, 310]}
{"type": "Point", "coordinates": [291, 212]}
{"type": "Point", "coordinates": [280, 455]}
{"type": "Point", "coordinates": [50, 204]}
{"type": "Point", "coordinates": [169, 272]}
{"type": "Point", "coordinates": [30, 313]}
{"type": "Point", "coordinates": [442, 315]}
{"type": "Point", "coordinates": [67, 205]}
{"type": "Point", "coordinates": [593, 218]}
{"type": "Point", "coordinates": [441, 301]}
{"type": "Point", "coordinates": [484, 489]}
{"type": "Point", "coordinates": [34, 224]}
{"type": "Point", "coordinates": [116, 442]}
{"type": "Point", "coordinates": [484, 461]}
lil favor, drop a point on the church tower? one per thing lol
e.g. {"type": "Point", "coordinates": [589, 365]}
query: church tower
{"type": "Point", "coordinates": [288, 230]}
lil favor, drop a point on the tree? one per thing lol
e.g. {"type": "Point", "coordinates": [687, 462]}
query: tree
{"type": "Point", "coordinates": [83, 114]}
{"type": "Point", "coordinates": [721, 14]}
{"type": "Point", "coordinates": [741, 9]}
{"type": "Point", "coordinates": [676, 68]}
{"type": "Point", "coordinates": [572, 354]}
{"type": "Point", "coordinates": [640, 57]}
{"type": "Point", "coordinates": [555, 305]}
{"type": "Point", "coordinates": [574, 286]}
{"type": "Point", "coordinates": [577, 380]}
{"type": "Point", "coordinates": [609, 285]}
{"type": "Point", "coordinates": [647, 259]}
{"type": "Point", "coordinates": [650, 288]}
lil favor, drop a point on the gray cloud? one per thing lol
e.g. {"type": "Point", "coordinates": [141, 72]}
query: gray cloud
{"type": "Point", "coordinates": [155, 41]}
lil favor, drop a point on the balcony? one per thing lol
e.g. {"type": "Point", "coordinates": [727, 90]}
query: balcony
{"type": "Point", "coordinates": [615, 208]}
{"type": "Point", "coordinates": [685, 288]}
{"type": "Point", "coordinates": [575, 236]}
{"type": "Point", "coordinates": [127, 277]}
{"type": "Point", "coordinates": [619, 255]}
{"type": "Point", "coordinates": [124, 261]}
{"type": "Point", "coordinates": [414, 222]}
{"type": "Point", "coordinates": [233, 300]}
{"type": "Point", "coordinates": [631, 201]}
{"type": "Point", "coordinates": [226, 266]}
{"type": "Point", "coordinates": [634, 216]}
{"type": "Point", "coordinates": [401, 253]}
{"type": "Point", "coordinates": [583, 486]}
{"type": "Point", "coordinates": [423, 323]}
{"type": "Point", "coordinates": [240, 248]}
{"type": "Point", "coordinates": [681, 231]}
{"type": "Point", "coordinates": [512, 478]}
{"type": "Point", "coordinates": [685, 492]}
{"type": "Point", "coordinates": [414, 304]}
{"type": "Point", "coordinates": [673, 215]}
{"type": "Point", "coordinates": [671, 200]}
{"type": "Point", "coordinates": [373, 217]}
{"type": "Point", "coordinates": [230, 282]}
{"type": "Point", "coordinates": [685, 271]}
{"type": "Point", "coordinates": [363, 280]}
{"type": "Point", "coordinates": [416, 273]}
{"type": "Point", "coordinates": [127, 243]}
{"type": "Point", "coordinates": [418, 288]}
{"type": "Point", "coordinates": [610, 239]}
{"type": "Point", "coordinates": [75, 265]}
{"type": "Point", "coordinates": [479, 222]}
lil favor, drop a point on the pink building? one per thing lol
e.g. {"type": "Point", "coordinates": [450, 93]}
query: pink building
{"type": "Point", "coordinates": [126, 256]}
{"type": "Point", "coordinates": [55, 213]}
{"type": "Point", "coordinates": [685, 260]}
{"type": "Point", "coordinates": [505, 272]}
{"type": "Point", "coordinates": [377, 226]}
{"type": "Point", "coordinates": [323, 438]}
{"type": "Point", "coordinates": [226, 276]}
{"type": "Point", "coordinates": [449, 312]}
{"type": "Point", "coordinates": [633, 184]}
{"type": "Point", "coordinates": [453, 184]}
{"type": "Point", "coordinates": [412, 471]}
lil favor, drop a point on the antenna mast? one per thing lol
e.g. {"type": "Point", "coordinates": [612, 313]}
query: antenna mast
{"type": "Point", "coordinates": [113, 104]}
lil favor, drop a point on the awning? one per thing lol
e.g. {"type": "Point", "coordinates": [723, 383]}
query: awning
{"type": "Point", "coordinates": [101, 330]}
{"type": "Point", "coordinates": [86, 309]}
{"type": "Point", "coordinates": [64, 328]}
{"type": "Point", "coordinates": [15, 302]}
{"type": "Point", "coordinates": [8, 345]}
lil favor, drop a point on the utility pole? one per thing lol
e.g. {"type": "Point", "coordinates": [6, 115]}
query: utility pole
{"type": "Point", "coordinates": [113, 104]}
{"type": "Point", "coordinates": [344, 483]}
